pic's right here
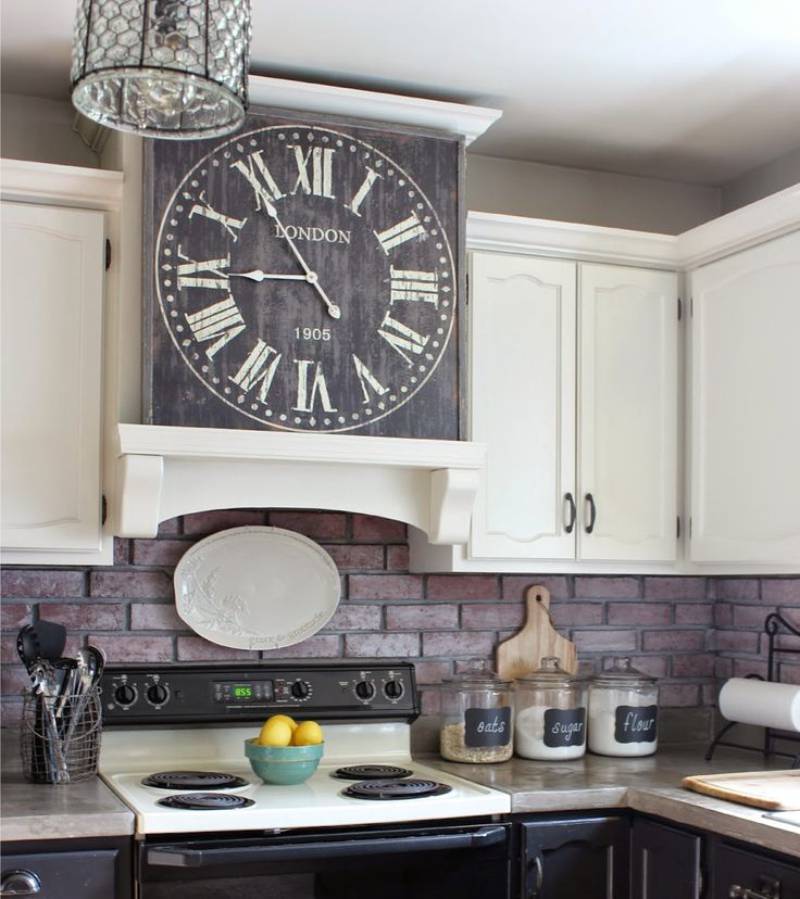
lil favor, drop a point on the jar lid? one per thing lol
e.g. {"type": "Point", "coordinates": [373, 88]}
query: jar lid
{"type": "Point", "coordinates": [623, 672]}
{"type": "Point", "coordinates": [478, 676]}
{"type": "Point", "coordinates": [550, 674]}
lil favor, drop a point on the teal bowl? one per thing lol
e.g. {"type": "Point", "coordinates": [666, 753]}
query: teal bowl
{"type": "Point", "coordinates": [283, 765]}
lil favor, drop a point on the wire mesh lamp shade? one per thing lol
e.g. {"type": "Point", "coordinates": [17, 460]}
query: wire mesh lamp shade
{"type": "Point", "coordinates": [162, 68]}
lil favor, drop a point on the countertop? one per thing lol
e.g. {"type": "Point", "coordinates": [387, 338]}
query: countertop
{"type": "Point", "coordinates": [650, 785]}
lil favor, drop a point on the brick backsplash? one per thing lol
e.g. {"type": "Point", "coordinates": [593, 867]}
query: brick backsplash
{"type": "Point", "coordinates": [687, 631]}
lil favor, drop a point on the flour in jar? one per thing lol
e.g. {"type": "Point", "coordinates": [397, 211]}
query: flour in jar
{"type": "Point", "coordinates": [620, 711]}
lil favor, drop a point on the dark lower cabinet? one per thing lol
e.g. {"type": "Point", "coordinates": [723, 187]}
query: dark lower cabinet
{"type": "Point", "coordinates": [739, 872]}
{"type": "Point", "coordinates": [575, 858]}
{"type": "Point", "coordinates": [666, 862]}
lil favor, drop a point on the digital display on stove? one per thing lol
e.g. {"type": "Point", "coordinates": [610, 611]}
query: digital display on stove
{"type": "Point", "coordinates": [233, 692]}
{"type": "Point", "coordinates": [242, 691]}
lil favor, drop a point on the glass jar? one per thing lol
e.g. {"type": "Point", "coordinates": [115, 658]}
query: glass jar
{"type": "Point", "coordinates": [623, 711]}
{"type": "Point", "coordinates": [550, 720]}
{"type": "Point", "coordinates": [477, 717]}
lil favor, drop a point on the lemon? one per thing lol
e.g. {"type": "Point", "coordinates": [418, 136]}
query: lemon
{"type": "Point", "coordinates": [275, 733]}
{"type": "Point", "coordinates": [309, 733]}
{"type": "Point", "coordinates": [285, 718]}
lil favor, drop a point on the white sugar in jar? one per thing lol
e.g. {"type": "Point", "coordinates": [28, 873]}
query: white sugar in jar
{"type": "Point", "coordinates": [623, 712]}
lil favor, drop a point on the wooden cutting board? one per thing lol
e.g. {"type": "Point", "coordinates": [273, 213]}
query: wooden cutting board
{"type": "Point", "coordinates": [772, 790]}
{"type": "Point", "coordinates": [523, 653]}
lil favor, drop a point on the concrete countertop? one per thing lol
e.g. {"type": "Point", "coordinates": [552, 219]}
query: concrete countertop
{"type": "Point", "coordinates": [649, 785]}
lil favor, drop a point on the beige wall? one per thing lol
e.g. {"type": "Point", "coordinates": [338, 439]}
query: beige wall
{"type": "Point", "coordinates": [41, 130]}
{"type": "Point", "coordinates": [762, 181]}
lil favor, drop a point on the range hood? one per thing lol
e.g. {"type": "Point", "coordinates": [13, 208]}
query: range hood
{"type": "Point", "coordinates": [162, 472]}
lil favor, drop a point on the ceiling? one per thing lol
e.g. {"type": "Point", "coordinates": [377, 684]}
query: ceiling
{"type": "Point", "coordinates": [690, 90]}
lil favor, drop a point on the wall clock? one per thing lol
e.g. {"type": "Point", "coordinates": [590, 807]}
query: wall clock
{"type": "Point", "coordinates": [305, 275]}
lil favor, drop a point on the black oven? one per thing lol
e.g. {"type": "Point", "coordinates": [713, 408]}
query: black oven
{"type": "Point", "coordinates": [423, 861]}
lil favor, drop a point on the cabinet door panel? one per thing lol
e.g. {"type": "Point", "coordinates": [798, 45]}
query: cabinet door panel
{"type": "Point", "coordinates": [523, 404]}
{"type": "Point", "coordinates": [665, 862]}
{"type": "Point", "coordinates": [628, 413]}
{"type": "Point", "coordinates": [67, 875]}
{"type": "Point", "coordinates": [745, 419]}
{"type": "Point", "coordinates": [52, 287]}
{"type": "Point", "coordinates": [735, 866]}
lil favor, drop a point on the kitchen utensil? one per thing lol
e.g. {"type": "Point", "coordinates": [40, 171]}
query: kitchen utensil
{"type": "Point", "coordinates": [46, 685]}
{"type": "Point", "coordinates": [256, 588]}
{"type": "Point", "coordinates": [50, 639]}
{"type": "Point", "coordinates": [27, 647]}
{"type": "Point", "coordinates": [538, 639]}
{"type": "Point", "coordinates": [772, 790]}
{"type": "Point", "coordinates": [90, 663]}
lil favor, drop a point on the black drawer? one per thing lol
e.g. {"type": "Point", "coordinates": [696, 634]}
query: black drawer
{"type": "Point", "coordinates": [764, 876]}
{"type": "Point", "coordinates": [62, 875]}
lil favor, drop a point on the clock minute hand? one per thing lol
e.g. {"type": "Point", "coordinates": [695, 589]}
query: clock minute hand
{"type": "Point", "coordinates": [311, 276]}
{"type": "Point", "coordinates": [258, 275]}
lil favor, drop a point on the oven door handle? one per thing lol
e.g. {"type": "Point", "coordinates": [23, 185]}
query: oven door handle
{"type": "Point", "coordinates": [183, 857]}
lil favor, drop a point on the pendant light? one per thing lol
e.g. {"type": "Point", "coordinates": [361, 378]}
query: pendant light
{"type": "Point", "coordinates": [162, 68]}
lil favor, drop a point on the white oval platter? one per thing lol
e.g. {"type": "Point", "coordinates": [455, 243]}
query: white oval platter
{"type": "Point", "coordinates": [256, 588]}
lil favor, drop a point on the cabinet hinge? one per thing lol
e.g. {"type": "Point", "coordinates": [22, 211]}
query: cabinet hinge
{"type": "Point", "coordinates": [466, 287]}
{"type": "Point", "coordinates": [678, 527]}
{"type": "Point", "coordinates": [690, 526]}
{"type": "Point", "coordinates": [103, 509]}
{"type": "Point", "coordinates": [680, 308]}
{"type": "Point", "coordinates": [691, 307]}
{"type": "Point", "coordinates": [108, 254]}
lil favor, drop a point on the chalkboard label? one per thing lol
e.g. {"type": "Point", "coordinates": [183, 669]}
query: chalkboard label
{"type": "Point", "coordinates": [487, 727]}
{"type": "Point", "coordinates": [564, 727]}
{"type": "Point", "coordinates": [636, 724]}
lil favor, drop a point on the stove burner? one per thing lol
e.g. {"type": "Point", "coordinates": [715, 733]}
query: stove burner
{"type": "Point", "coordinates": [205, 801]}
{"type": "Point", "coordinates": [193, 780]}
{"type": "Point", "coordinates": [396, 789]}
{"type": "Point", "coordinates": [372, 772]}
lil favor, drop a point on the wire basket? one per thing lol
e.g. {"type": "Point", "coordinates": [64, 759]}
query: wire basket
{"type": "Point", "coordinates": [60, 738]}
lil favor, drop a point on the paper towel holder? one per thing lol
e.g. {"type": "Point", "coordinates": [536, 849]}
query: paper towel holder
{"type": "Point", "coordinates": [774, 624]}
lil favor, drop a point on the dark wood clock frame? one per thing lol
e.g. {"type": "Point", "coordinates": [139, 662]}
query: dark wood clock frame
{"type": "Point", "coordinates": [194, 374]}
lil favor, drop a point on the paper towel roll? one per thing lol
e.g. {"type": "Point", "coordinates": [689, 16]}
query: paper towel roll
{"type": "Point", "coordinates": [750, 701]}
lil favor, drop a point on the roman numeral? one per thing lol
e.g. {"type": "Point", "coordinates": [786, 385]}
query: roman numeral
{"type": "Point", "coordinates": [220, 322]}
{"type": "Point", "coordinates": [414, 286]}
{"type": "Point", "coordinates": [260, 178]}
{"type": "Point", "coordinates": [259, 369]}
{"type": "Point", "coordinates": [231, 225]}
{"type": "Point", "coordinates": [307, 393]}
{"type": "Point", "coordinates": [320, 180]}
{"type": "Point", "coordinates": [361, 193]}
{"type": "Point", "coordinates": [190, 272]}
{"type": "Point", "coordinates": [366, 378]}
{"type": "Point", "coordinates": [400, 233]}
{"type": "Point", "coordinates": [401, 338]}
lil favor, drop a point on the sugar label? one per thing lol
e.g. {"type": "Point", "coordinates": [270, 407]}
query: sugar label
{"type": "Point", "coordinates": [565, 727]}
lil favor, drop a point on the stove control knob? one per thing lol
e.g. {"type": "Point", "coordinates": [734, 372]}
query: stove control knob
{"type": "Point", "coordinates": [393, 689]}
{"type": "Point", "coordinates": [125, 694]}
{"type": "Point", "coordinates": [365, 690]}
{"type": "Point", "coordinates": [157, 694]}
{"type": "Point", "coordinates": [301, 689]}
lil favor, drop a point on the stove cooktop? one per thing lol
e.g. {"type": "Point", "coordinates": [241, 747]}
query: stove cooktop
{"type": "Point", "coordinates": [385, 790]}
{"type": "Point", "coordinates": [193, 780]}
{"type": "Point", "coordinates": [372, 772]}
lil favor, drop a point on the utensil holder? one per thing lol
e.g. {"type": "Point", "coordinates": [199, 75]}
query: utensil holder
{"type": "Point", "coordinates": [60, 738]}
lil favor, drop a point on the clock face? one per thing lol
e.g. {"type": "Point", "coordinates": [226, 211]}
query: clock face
{"type": "Point", "coordinates": [305, 280]}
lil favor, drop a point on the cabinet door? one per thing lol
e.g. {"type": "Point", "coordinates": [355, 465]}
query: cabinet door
{"type": "Point", "coordinates": [745, 418]}
{"type": "Point", "coordinates": [665, 862]}
{"type": "Point", "coordinates": [628, 413]}
{"type": "Point", "coordinates": [51, 293]}
{"type": "Point", "coordinates": [523, 404]}
{"type": "Point", "coordinates": [738, 872]}
{"type": "Point", "coordinates": [576, 859]}
{"type": "Point", "coordinates": [62, 875]}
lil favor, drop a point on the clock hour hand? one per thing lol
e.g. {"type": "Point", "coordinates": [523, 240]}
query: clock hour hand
{"type": "Point", "coordinates": [333, 310]}
{"type": "Point", "coordinates": [258, 275]}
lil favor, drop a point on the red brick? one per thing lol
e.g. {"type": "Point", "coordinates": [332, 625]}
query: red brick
{"type": "Point", "coordinates": [156, 617]}
{"type": "Point", "coordinates": [320, 646]}
{"type": "Point", "coordinates": [450, 644]}
{"type": "Point", "coordinates": [723, 668]}
{"type": "Point", "coordinates": [381, 645]}
{"type": "Point", "coordinates": [13, 680]}
{"type": "Point", "coordinates": [12, 713]}
{"type": "Point", "coordinates": [85, 616]}
{"type": "Point", "coordinates": [603, 640]}
{"type": "Point", "coordinates": [131, 584]}
{"type": "Point", "coordinates": [492, 616]}
{"type": "Point", "coordinates": [27, 583]}
{"type": "Point", "coordinates": [790, 674]}
{"type": "Point", "coordinates": [571, 613]}
{"type": "Point", "coordinates": [354, 617]}
{"type": "Point", "coordinates": [700, 665]}
{"type": "Point", "coordinates": [397, 558]}
{"type": "Point", "coordinates": [159, 552]}
{"type": "Point", "coordinates": [130, 648]}
{"type": "Point", "coordinates": [431, 702]}
{"type": "Point", "coordinates": [370, 529]}
{"type": "Point", "coordinates": [751, 617]}
{"type": "Point", "coordinates": [746, 667]}
{"type": "Point", "coordinates": [430, 616]}
{"type": "Point", "coordinates": [194, 649]}
{"type": "Point", "coordinates": [14, 615]}
{"type": "Point", "coordinates": [694, 613]}
{"type": "Point", "coordinates": [781, 591]}
{"type": "Point", "coordinates": [708, 693]}
{"type": "Point", "coordinates": [683, 695]}
{"type": "Point", "coordinates": [655, 666]}
{"type": "Point", "coordinates": [220, 520]}
{"type": "Point", "coordinates": [316, 525]}
{"type": "Point", "coordinates": [356, 558]}
{"type": "Point", "coordinates": [675, 587]}
{"type": "Point", "coordinates": [385, 586]}
{"type": "Point", "coordinates": [639, 613]}
{"type": "Point", "coordinates": [122, 551]}
{"type": "Point", "coordinates": [463, 586]}
{"type": "Point", "coordinates": [169, 528]}
{"type": "Point", "coordinates": [672, 640]}
{"type": "Point", "coordinates": [515, 586]}
{"type": "Point", "coordinates": [736, 641]}
{"type": "Point", "coordinates": [733, 589]}
{"type": "Point", "coordinates": [607, 587]}
{"type": "Point", "coordinates": [8, 650]}
{"type": "Point", "coordinates": [723, 614]}
{"type": "Point", "coordinates": [432, 672]}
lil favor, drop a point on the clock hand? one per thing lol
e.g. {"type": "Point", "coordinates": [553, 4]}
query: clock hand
{"type": "Point", "coordinates": [333, 310]}
{"type": "Point", "coordinates": [258, 275]}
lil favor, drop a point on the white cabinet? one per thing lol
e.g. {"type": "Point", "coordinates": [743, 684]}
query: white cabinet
{"type": "Point", "coordinates": [745, 406]}
{"type": "Point", "coordinates": [51, 293]}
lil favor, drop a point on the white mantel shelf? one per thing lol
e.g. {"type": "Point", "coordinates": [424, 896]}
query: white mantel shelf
{"type": "Point", "coordinates": [167, 471]}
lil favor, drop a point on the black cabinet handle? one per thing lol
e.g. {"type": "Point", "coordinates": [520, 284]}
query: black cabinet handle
{"type": "Point", "coordinates": [535, 878]}
{"type": "Point", "coordinates": [570, 523]}
{"type": "Point", "coordinates": [20, 883]}
{"type": "Point", "coordinates": [592, 513]}
{"type": "Point", "coordinates": [767, 889]}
